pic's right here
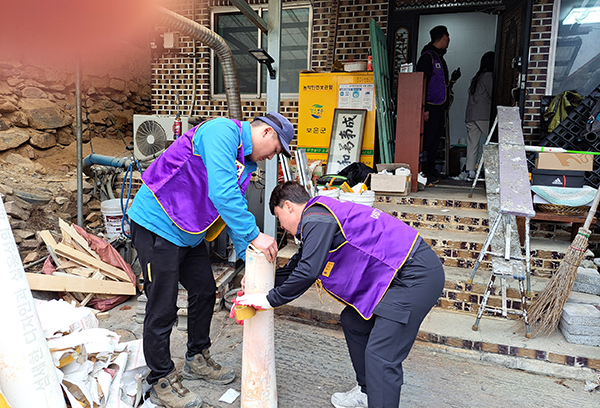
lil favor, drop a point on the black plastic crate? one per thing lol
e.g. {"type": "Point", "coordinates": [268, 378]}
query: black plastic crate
{"type": "Point", "coordinates": [570, 135]}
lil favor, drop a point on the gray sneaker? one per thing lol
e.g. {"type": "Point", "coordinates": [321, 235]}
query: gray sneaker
{"type": "Point", "coordinates": [204, 367]}
{"type": "Point", "coordinates": [170, 393]}
{"type": "Point", "coordinates": [354, 398]}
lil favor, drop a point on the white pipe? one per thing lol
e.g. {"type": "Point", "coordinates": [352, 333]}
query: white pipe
{"type": "Point", "coordinates": [27, 374]}
{"type": "Point", "coordinates": [544, 149]}
{"type": "Point", "coordinates": [259, 387]}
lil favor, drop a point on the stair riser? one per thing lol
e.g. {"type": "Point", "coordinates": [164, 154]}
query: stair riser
{"type": "Point", "coordinates": [461, 297]}
{"type": "Point", "coordinates": [464, 254]}
{"type": "Point", "coordinates": [427, 202]}
{"type": "Point", "coordinates": [443, 222]}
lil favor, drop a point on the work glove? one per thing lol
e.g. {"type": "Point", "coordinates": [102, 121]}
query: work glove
{"type": "Point", "coordinates": [256, 300]}
{"type": "Point", "coordinates": [232, 311]}
{"type": "Point", "coordinates": [455, 75]}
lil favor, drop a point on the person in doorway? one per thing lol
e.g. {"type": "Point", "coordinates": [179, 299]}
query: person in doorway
{"type": "Point", "coordinates": [479, 105]}
{"type": "Point", "coordinates": [375, 264]}
{"type": "Point", "coordinates": [190, 193]}
{"type": "Point", "coordinates": [437, 100]}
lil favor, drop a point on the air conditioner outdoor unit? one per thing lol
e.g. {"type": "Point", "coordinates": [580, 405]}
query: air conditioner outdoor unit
{"type": "Point", "coordinates": [151, 133]}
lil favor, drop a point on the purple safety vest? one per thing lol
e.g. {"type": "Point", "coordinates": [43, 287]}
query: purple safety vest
{"type": "Point", "coordinates": [179, 181]}
{"type": "Point", "coordinates": [359, 271]}
{"type": "Point", "coordinates": [436, 89]}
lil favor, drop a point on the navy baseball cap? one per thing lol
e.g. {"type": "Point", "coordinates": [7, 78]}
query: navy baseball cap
{"type": "Point", "coordinates": [283, 127]}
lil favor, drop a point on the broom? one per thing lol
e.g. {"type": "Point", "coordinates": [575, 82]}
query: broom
{"type": "Point", "coordinates": [546, 309]}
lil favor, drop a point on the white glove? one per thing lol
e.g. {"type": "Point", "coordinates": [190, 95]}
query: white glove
{"type": "Point", "coordinates": [256, 300]}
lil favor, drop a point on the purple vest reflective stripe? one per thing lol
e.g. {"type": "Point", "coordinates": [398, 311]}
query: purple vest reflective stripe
{"type": "Point", "coordinates": [359, 271]}
{"type": "Point", "coordinates": [436, 89]}
{"type": "Point", "coordinates": [178, 180]}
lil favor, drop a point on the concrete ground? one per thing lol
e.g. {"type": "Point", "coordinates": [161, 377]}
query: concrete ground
{"type": "Point", "coordinates": [312, 363]}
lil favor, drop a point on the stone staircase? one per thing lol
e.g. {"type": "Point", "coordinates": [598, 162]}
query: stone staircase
{"type": "Point", "coordinates": [456, 227]}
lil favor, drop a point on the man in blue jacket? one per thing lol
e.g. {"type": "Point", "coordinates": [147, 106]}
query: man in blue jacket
{"type": "Point", "coordinates": [191, 192]}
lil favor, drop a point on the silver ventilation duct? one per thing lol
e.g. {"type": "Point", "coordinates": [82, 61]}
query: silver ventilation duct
{"type": "Point", "coordinates": [216, 43]}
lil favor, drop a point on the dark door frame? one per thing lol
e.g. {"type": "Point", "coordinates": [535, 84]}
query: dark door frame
{"type": "Point", "coordinates": [409, 20]}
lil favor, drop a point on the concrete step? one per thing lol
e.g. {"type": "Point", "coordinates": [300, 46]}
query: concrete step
{"type": "Point", "coordinates": [461, 249]}
{"type": "Point", "coordinates": [497, 339]}
{"type": "Point", "coordinates": [449, 197]}
{"type": "Point", "coordinates": [438, 218]}
{"type": "Point", "coordinates": [458, 258]}
{"type": "Point", "coordinates": [462, 213]}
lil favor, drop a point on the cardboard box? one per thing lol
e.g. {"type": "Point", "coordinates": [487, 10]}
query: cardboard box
{"type": "Point", "coordinates": [390, 183]}
{"type": "Point", "coordinates": [565, 161]}
{"type": "Point", "coordinates": [557, 178]}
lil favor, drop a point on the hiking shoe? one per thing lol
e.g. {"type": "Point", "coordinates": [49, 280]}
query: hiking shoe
{"type": "Point", "coordinates": [432, 180]}
{"type": "Point", "coordinates": [354, 398]}
{"type": "Point", "coordinates": [205, 368]}
{"type": "Point", "coordinates": [170, 393]}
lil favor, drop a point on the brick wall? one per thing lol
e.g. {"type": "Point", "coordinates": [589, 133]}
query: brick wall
{"type": "Point", "coordinates": [539, 52]}
{"type": "Point", "coordinates": [345, 37]}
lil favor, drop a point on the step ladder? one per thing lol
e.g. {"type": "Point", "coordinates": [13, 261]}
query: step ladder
{"type": "Point", "coordinates": [514, 200]}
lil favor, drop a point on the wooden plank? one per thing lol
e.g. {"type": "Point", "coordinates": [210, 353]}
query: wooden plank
{"type": "Point", "coordinates": [83, 272]}
{"type": "Point", "coordinates": [67, 283]}
{"type": "Point", "coordinates": [515, 191]}
{"type": "Point", "coordinates": [48, 239]}
{"type": "Point", "coordinates": [87, 260]}
{"type": "Point", "coordinates": [69, 265]}
{"type": "Point", "coordinates": [409, 122]}
{"type": "Point", "coordinates": [50, 246]}
{"type": "Point", "coordinates": [97, 275]}
{"type": "Point", "coordinates": [77, 238]}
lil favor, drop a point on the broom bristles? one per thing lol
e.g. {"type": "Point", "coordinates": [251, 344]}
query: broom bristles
{"type": "Point", "coordinates": [546, 309]}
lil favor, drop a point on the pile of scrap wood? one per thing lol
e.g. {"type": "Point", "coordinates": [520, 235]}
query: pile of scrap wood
{"type": "Point", "coordinates": [85, 268]}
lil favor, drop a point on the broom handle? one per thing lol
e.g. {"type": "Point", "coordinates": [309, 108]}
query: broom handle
{"type": "Point", "coordinates": [592, 211]}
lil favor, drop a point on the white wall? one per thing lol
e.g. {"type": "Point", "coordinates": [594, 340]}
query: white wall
{"type": "Point", "coordinates": [471, 36]}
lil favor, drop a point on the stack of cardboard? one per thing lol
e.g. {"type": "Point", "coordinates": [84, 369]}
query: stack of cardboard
{"type": "Point", "coordinates": [80, 274]}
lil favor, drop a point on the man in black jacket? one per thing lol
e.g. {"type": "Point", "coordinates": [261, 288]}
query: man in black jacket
{"type": "Point", "coordinates": [437, 100]}
{"type": "Point", "coordinates": [378, 266]}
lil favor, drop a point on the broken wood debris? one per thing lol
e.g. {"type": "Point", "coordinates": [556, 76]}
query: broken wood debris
{"type": "Point", "coordinates": [81, 274]}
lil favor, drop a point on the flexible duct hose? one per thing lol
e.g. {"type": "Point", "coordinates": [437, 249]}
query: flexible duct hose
{"type": "Point", "coordinates": [216, 43]}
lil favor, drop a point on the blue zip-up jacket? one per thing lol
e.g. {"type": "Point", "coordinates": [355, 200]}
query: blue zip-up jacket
{"type": "Point", "coordinates": [217, 145]}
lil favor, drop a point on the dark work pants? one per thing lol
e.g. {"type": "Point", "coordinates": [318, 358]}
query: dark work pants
{"type": "Point", "coordinates": [164, 264]}
{"type": "Point", "coordinates": [433, 130]}
{"type": "Point", "coordinates": [378, 346]}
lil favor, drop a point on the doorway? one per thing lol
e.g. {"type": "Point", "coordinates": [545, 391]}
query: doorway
{"type": "Point", "coordinates": [471, 35]}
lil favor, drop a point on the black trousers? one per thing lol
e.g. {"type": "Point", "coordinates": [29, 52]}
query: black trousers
{"type": "Point", "coordinates": [378, 346]}
{"type": "Point", "coordinates": [433, 131]}
{"type": "Point", "coordinates": [164, 265]}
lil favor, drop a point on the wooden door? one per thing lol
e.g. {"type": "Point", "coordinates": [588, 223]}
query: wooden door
{"type": "Point", "coordinates": [511, 55]}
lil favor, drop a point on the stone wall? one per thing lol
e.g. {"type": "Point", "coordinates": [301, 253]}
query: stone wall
{"type": "Point", "coordinates": [38, 105]}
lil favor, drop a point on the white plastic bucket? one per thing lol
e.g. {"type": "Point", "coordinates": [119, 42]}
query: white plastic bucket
{"type": "Point", "coordinates": [334, 193]}
{"type": "Point", "coordinates": [113, 215]}
{"type": "Point", "coordinates": [366, 197]}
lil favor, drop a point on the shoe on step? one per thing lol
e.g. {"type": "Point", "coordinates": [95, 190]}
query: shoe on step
{"type": "Point", "coordinates": [354, 398]}
{"type": "Point", "coordinates": [169, 392]}
{"type": "Point", "coordinates": [431, 180]}
{"type": "Point", "coordinates": [202, 366]}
